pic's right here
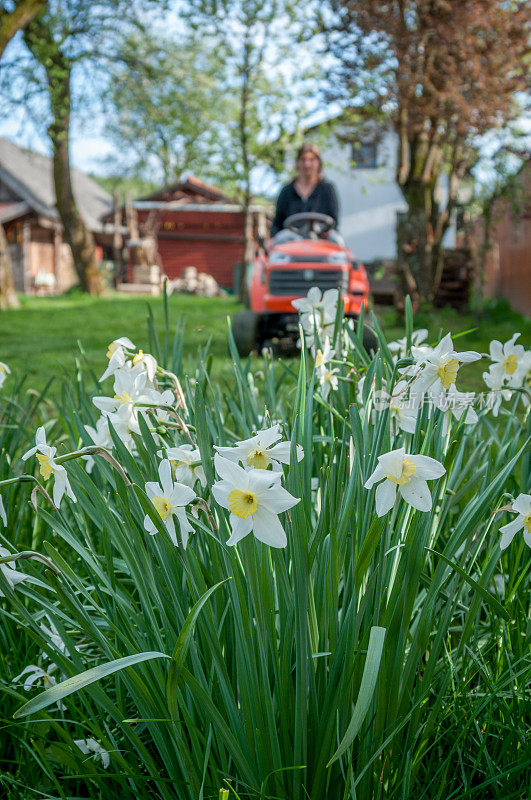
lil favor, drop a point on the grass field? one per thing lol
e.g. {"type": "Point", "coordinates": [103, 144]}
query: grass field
{"type": "Point", "coordinates": [43, 337]}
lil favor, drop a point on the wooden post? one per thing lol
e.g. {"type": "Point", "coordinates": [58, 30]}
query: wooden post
{"type": "Point", "coordinates": [117, 240]}
{"type": "Point", "coordinates": [26, 255]}
{"type": "Point", "coordinates": [8, 296]}
{"type": "Point", "coordinates": [57, 243]}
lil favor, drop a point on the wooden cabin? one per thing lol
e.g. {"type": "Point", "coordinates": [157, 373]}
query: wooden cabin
{"type": "Point", "coordinates": [40, 259]}
{"type": "Point", "coordinates": [196, 225]}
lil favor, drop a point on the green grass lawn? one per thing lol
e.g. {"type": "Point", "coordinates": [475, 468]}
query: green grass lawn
{"type": "Point", "coordinates": [42, 338]}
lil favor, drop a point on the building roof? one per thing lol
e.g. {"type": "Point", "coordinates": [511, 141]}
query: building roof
{"type": "Point", "coordinates": [189, 190]}
{"type": "Point", "coordinates": [29, 177]}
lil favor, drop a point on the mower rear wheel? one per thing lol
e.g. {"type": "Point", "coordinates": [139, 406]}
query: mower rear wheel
{"type": "Point", "coordinates": [245, 329]}
{"type": "Point", "coordinates": [370, 340]}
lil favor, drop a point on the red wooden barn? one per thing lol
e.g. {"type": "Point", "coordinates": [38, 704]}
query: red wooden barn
{"type": "Point", "coordinates": [196, 225]}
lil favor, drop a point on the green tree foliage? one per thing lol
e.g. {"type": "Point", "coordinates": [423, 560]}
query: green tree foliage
{"type": "Point", "coordinates": [268, 83]}
{"type": "Point", "coordinates": [444, 72]}
{"type": "Point", "coordinates": [165, 106]}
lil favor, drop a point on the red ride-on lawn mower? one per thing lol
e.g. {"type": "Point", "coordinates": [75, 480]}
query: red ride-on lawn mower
{"type": "Point", "coordinates": [307, 252]}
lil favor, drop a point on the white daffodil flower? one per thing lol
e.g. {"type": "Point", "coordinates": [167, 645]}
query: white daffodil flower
{"type": "Point", "coordinates": [317, 325]}
{"type": "Point", "coordinates": [128, 389]}
{"type": "Point", "coordinates": [255, 499]}
{"type": "Point", "coordinates": [101, 437]}
{"type": "Point", "coordinates": [439, 365]}
{"type": "Point", "coordinates": [36, 674]}
{"type": "Point", "coordinates": [322, 357]}
{"type": "Point", "coordinates": [260, 450]}
{"type": "Point", "coordinates": [328, 380]}
{"type": "Point", "coordinates": [407, 472]}
{"type": "Point", "coordinates": [156, 398]}
{"type": "Point", "coordinates": [117, 355]}
{"type": "Point", "coordinates": [403, 407]}
{"type": "Point", "coordinates": [3, 515]}
{"type": "Point", "coordinates": [144, 361]}
{"type": "Point", "coordinates": [11, 575]}
{"type": "Point", "coordinates": [400, 345]}
{"type": "Point", "coordinates": [133, 394]}
{"type": "Point", "coordinates": [509, 364]}
{"type": "Point", "coordinates": [326, 376]}
{"type": "Point", "coordinates": [317, 313]}
{"type": "Point", "coordinates": [522, 506]}
{"type": "Point", "coordinates": [169, 499]}
{"type": "Point", "coordinates": [93, 748]}
{"type": "Point", "coordinates": [4, 372]}
{"type": "Point", "coordinates": [47, 467]}
{"type": "Point", "coordinates": [124, 421]}
{"type": "Point", "coordinates": [52, 634]}
{"type": "Point", "coordinates": [186, 462]}
{"type": "Point", "coordinates": [455, 403]}
{"type": "Point", "coordinates": [315, 301]}
{"type": "Point", "coordinates": [497, 393]}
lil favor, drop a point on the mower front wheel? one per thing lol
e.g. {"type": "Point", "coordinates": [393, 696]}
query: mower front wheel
{"type": "Point", "coordinates": [245, 330]}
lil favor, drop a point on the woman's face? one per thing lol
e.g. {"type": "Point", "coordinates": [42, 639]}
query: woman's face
{"type": "Point", "coordinates": [308, 166]}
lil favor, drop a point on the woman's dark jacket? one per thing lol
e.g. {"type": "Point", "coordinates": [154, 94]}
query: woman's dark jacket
{"type": "Point", "coordinates": [323, 200]}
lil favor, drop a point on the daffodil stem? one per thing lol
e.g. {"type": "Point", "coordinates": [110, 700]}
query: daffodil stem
{"type": "Point", "coordinates": [86, 451]}
{"type": "Point", "coordinates": [95, 450]}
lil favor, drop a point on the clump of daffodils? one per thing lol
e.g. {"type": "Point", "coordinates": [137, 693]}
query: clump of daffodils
{"type": "Point", "coordinates": [136, 394]}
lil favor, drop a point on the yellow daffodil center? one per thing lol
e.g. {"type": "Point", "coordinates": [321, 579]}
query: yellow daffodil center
{"type": "Point", "coordinates": [112, 348]}
{"type": "Point", "coordinates": [123, 398]}
{"type": "Point", "coordinates": [139, 356]}
{"type": "Point", "coordinates": [163, 507]}
{"type": "Point", "coordinates": [527, 523]}
{"type": "Point", "coordinates": [44, 466]}
{"type": "Point", "coordinates": [242, 503]}
{"type": "Point", "coordinates": [258, 458]}
{"type": "Point", "coordinates": [328, 377]}
{"type": "Point", "coordinates": [2, 368]}
{"type": "Point", "coordinates": [447, 372]}
{"type": "Point", "coordinates": [510, 364]}
{"type": "Point", "coordinates": [319, 358]}
{"type": "Point", "coordinates": [408, 470]}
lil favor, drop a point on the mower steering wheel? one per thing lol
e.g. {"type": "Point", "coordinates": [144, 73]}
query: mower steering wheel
{"type": "Point", "coordinates": [315, 222]}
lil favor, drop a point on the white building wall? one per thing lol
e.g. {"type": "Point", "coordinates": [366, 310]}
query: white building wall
{"type": "Point", "coordinates": [369, 199]}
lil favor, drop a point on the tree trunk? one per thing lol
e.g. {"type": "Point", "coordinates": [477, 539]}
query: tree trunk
{"type": "Point", "coordinates": [248, 248]}
{"type": "Point", "coordinates": [58, 72]}
{"type": "Point", "coordinates": [14, 21]}
{"type": "Point", "coordinates": [418, 172]}
{"type": "Point", "coordinates": [415, 239]}
{"type": "Point", "coordinates": [8, 296]}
